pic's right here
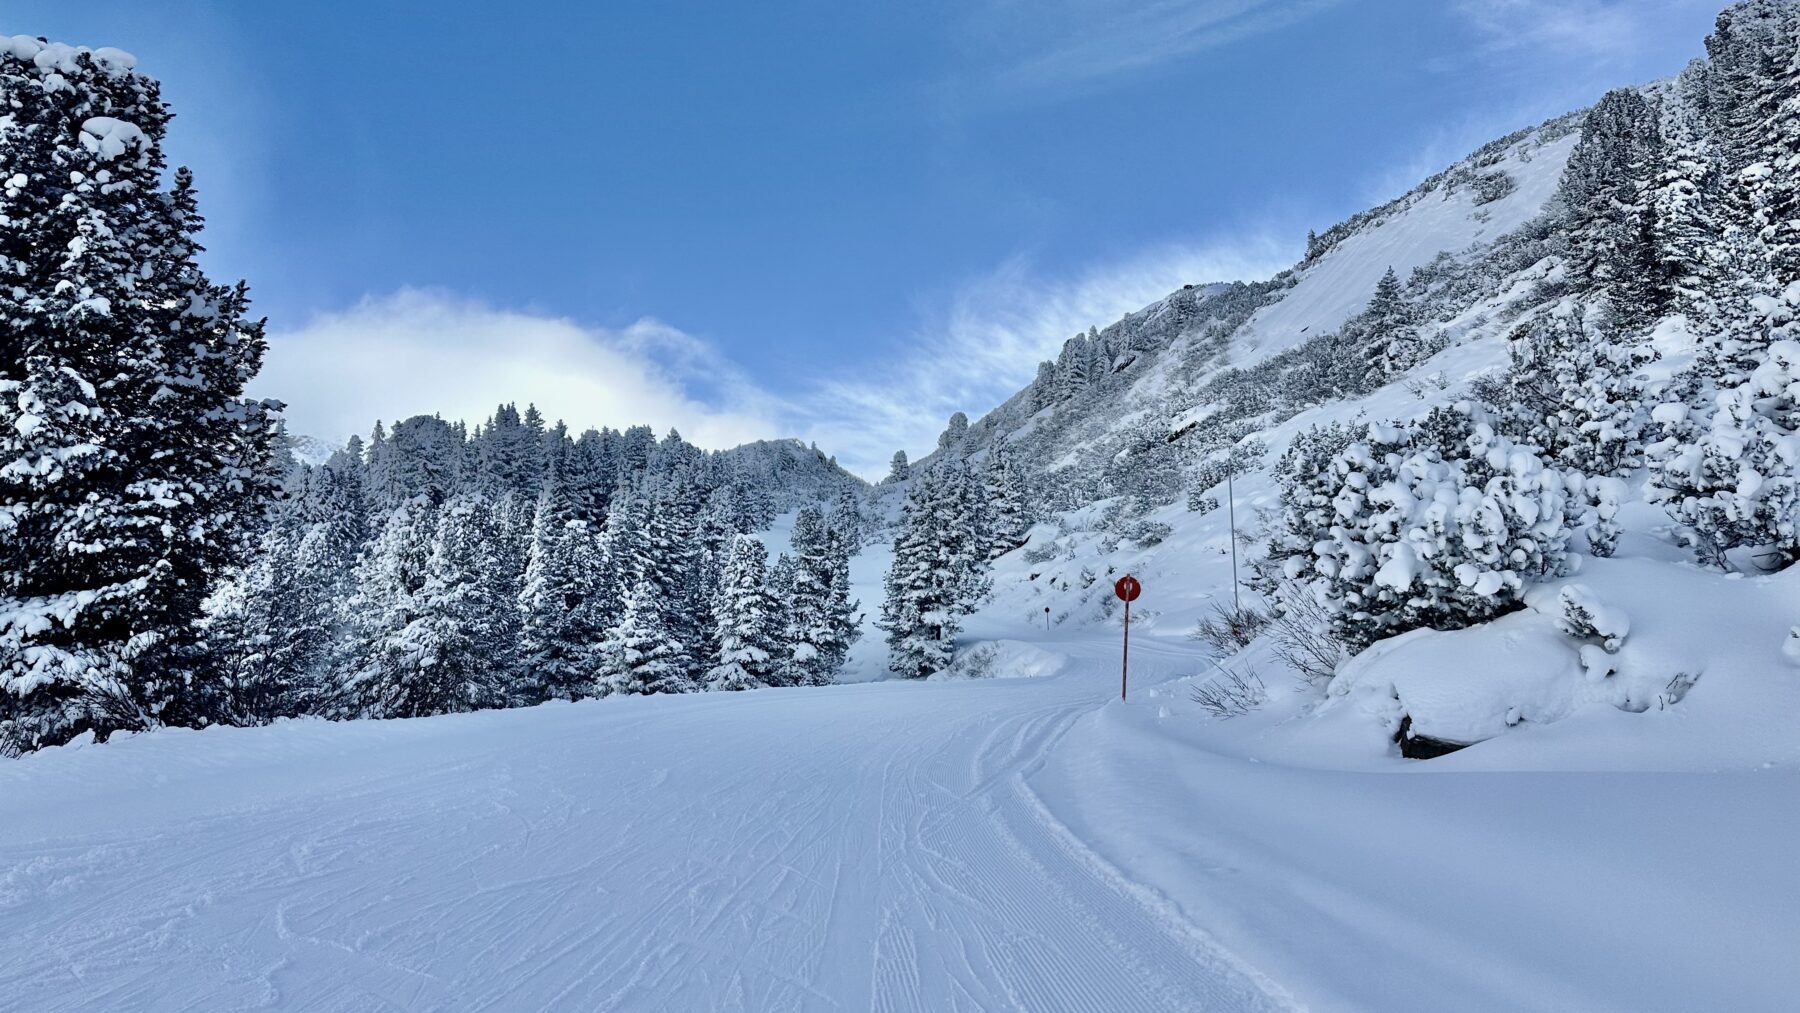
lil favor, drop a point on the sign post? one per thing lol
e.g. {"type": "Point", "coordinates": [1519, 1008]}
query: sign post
{"type": "Point", "coordinates": [1127, 588]}
{"type": "Point", "coordinates": [1046, 618]}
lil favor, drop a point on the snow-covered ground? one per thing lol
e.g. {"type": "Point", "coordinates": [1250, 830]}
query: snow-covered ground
{"type": "Point", "coordinates": [1025, 843]}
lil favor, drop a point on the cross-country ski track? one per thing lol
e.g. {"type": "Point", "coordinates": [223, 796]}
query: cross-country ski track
{"type": "Point", "coordinates": [859, 847]}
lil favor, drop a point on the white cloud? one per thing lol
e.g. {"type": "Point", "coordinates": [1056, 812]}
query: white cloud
{"type": "Point", "coordinates": [425, 352]}
{"type": "Point", "coordinates": [1034, 50]}
{"type": "Point", "coordinates": [1593, 30]}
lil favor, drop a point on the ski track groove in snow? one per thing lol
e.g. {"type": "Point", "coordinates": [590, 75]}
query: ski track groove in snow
{"type": "Point", "coordinates": [863, 847]}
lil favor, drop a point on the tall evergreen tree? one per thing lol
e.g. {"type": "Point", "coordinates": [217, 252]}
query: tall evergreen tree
{"type": "Point", "coordinates": [132, 470]}
{"type": "Point", "coordinates": [939, 571]}
{"type": "Point", "coordinates": [748, 622]}
{"type": "Point", "coordinates": [563, 616]}
{"type": "Point", "coordinates": [821, 624]}
{"type": "Point", "coordinates": [1008, 502]}
{"type": "Point", "coordinates": [1607, 192]}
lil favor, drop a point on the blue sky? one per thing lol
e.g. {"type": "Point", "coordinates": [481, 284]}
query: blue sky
{"type": "Point", "coordinates": [836, 221]}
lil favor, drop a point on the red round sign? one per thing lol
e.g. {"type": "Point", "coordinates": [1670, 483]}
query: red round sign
{"type": "Point", "coordinates": [1128, 588]}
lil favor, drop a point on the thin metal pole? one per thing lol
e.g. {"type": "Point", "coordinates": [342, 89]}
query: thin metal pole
{"type": "Point", "coordinates": [1125, 661]}
{"type": "Point", "coordinates": [1231, 506]}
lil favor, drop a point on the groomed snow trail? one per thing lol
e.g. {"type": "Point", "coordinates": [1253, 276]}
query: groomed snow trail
{"type": "Point", "coordinates": [859, 847]}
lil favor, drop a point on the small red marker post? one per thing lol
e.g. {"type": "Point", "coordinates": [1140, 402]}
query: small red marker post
{"type": "Point", "coordinates": [1127, 588]}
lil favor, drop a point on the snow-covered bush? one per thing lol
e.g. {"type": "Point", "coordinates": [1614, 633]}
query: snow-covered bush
{"type": "Point", "coordinates": [1585, 617]}
{"type": "Point", "coordinates": [1301, 631]}
{"type": "Point", "coordinates": [1571, 392]}
{"type": "Point", "coordinates": [1439, 524]}
{"type": "Point", "coordinates": [1738, 483]}
{"type": "Point", "coordinates": [1231, 693]}
{"type": "Point", "coordinates": [1229, 629]}
{"type": "Point", "coordinates": [1604, 496]}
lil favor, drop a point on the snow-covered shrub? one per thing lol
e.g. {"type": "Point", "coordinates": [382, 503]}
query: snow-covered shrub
{"type": "Point", "coordinates": [1231, 693]}
{"type": "Point", "coordinates": [1737, 484]}
{"type": "Point", "coordinates": [1202, 505]}
{"type": "Point", "coordinates": [1301, 631]}
{"type": "Point", "coordinates": [1439, 524]}
{"type": "Point", "coordinates": [1147, 533]}
{"type": "Point", "coordinates": [975, 663]}
{"type": "Point", "coordinates": [1492, 186]}
{"type": "Point", "coordinates": [1571, 390]}
{"type": "Point", "coordinates": [1585, 617]}
{"type": "Point", "coordinates": [1604, 496]}
{"type": "Point", "coordinates": [1229, 629]}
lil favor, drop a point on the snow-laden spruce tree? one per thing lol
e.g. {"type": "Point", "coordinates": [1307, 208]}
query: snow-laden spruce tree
{"type": "Point", "coordinates": [564, 605]}
{"type": "Point", "coordinates": [1572, 390]}
{"type": "Point", "coordinates": [940, 569]}
{"type": "Point", "coordinates": [1607, 196]}
{"type": "Point", "coordinates": [1440, 524]}
{"type": "Point", "coordinates": [1389, 332]}
{"type": "Point", "coordinates": [1683, 199]}
{"type": "Point", "coordinates": [459, 651]}
{"type": "Point", "coordinates": [274, 625]}
{"type": "Point", "coordinates": [955, 432]}
{"type": "Point", "coordinates": [1008, 502]}
{"type": "Point", "coordinates": [389, 575]}
{"type": "Point", "coordinates": [1737, 484]}
{"type": "Point", "coordinates": [131, 467]}
{"type": "Point", "coordinates": [749, 623]}
{"type": "Point", "coordinates": [821, 616]}
{"type": "Point", "coordinates": [643, 652]}
{"type": "Point", "coordinates": [1753, 98]}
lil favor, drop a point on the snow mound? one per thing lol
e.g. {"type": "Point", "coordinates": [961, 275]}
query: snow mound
{"type": "Point", "coordinates": [1537, 666]}
{"type": "Point", "coordinates": [1004, 659]}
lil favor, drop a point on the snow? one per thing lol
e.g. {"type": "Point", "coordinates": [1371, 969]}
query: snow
{"type": "Point", "coordinates": [1340, 283]}
{"type": "Point", "coordinates": [868, 846]}
{"type": "Point", "coordinates": [977, 844]}
{"type": "Point", "coordinates": [109, 138]}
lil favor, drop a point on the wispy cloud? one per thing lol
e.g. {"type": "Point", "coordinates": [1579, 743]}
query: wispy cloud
{"type": "Point", "coordinates": [986, 343]}
{"type": "Point", "coordinates": [1034, 51]}
{"type": "Point", "coordinates": [1604, 30]}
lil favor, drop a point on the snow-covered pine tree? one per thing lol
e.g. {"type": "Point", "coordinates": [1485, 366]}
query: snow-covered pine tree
{"type": "Point", "coordinates": [275, 626]}
{"type": "Point", "coordinates": [1606, 194]}
{"type": "Point", "coordinates": [509, 452]}
{"type": "Point", "coordinates": [459, 651]}
{"type": "Point", "coordinates": [420, 459]}
{"type": "Point", "coordinates": [1073, 367]}
{"type": "Point", "coordinates": [1738, 484]}
{"type": "Point", "coordinates": [821, 624]}
{"type": "Point", "coordinates": [372, 665]}
{"type": "Point", "coordinates": [1751, 90]}
{"type": "Point", "coordinates": [642, 653]}
{"type": "Point", "coordinates": [955, 432]}
{"type": "Point", "coordinates": [898, 469]}
{"type": "Point", "coordinates": [1438, 525]}
{"type": "Point", "coordinates": [1571, 389]}
{"type": "Point", "coordinates": [1008, 503]}
{"type": "Point", "coordinates": [748, 623]}
{"type": "Point", "coordinates": [679, 569]}
{"type": "Point", "coordinates": [1390, 334]}
{"type": "Point", "coordinates": [940, 569]}
{"type": "Point", "coordinates": [1683, 201]}
{"type": "Point", "coordinates": [563, 616]}
{"type": "Point", "coordinates": [131, 467]}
